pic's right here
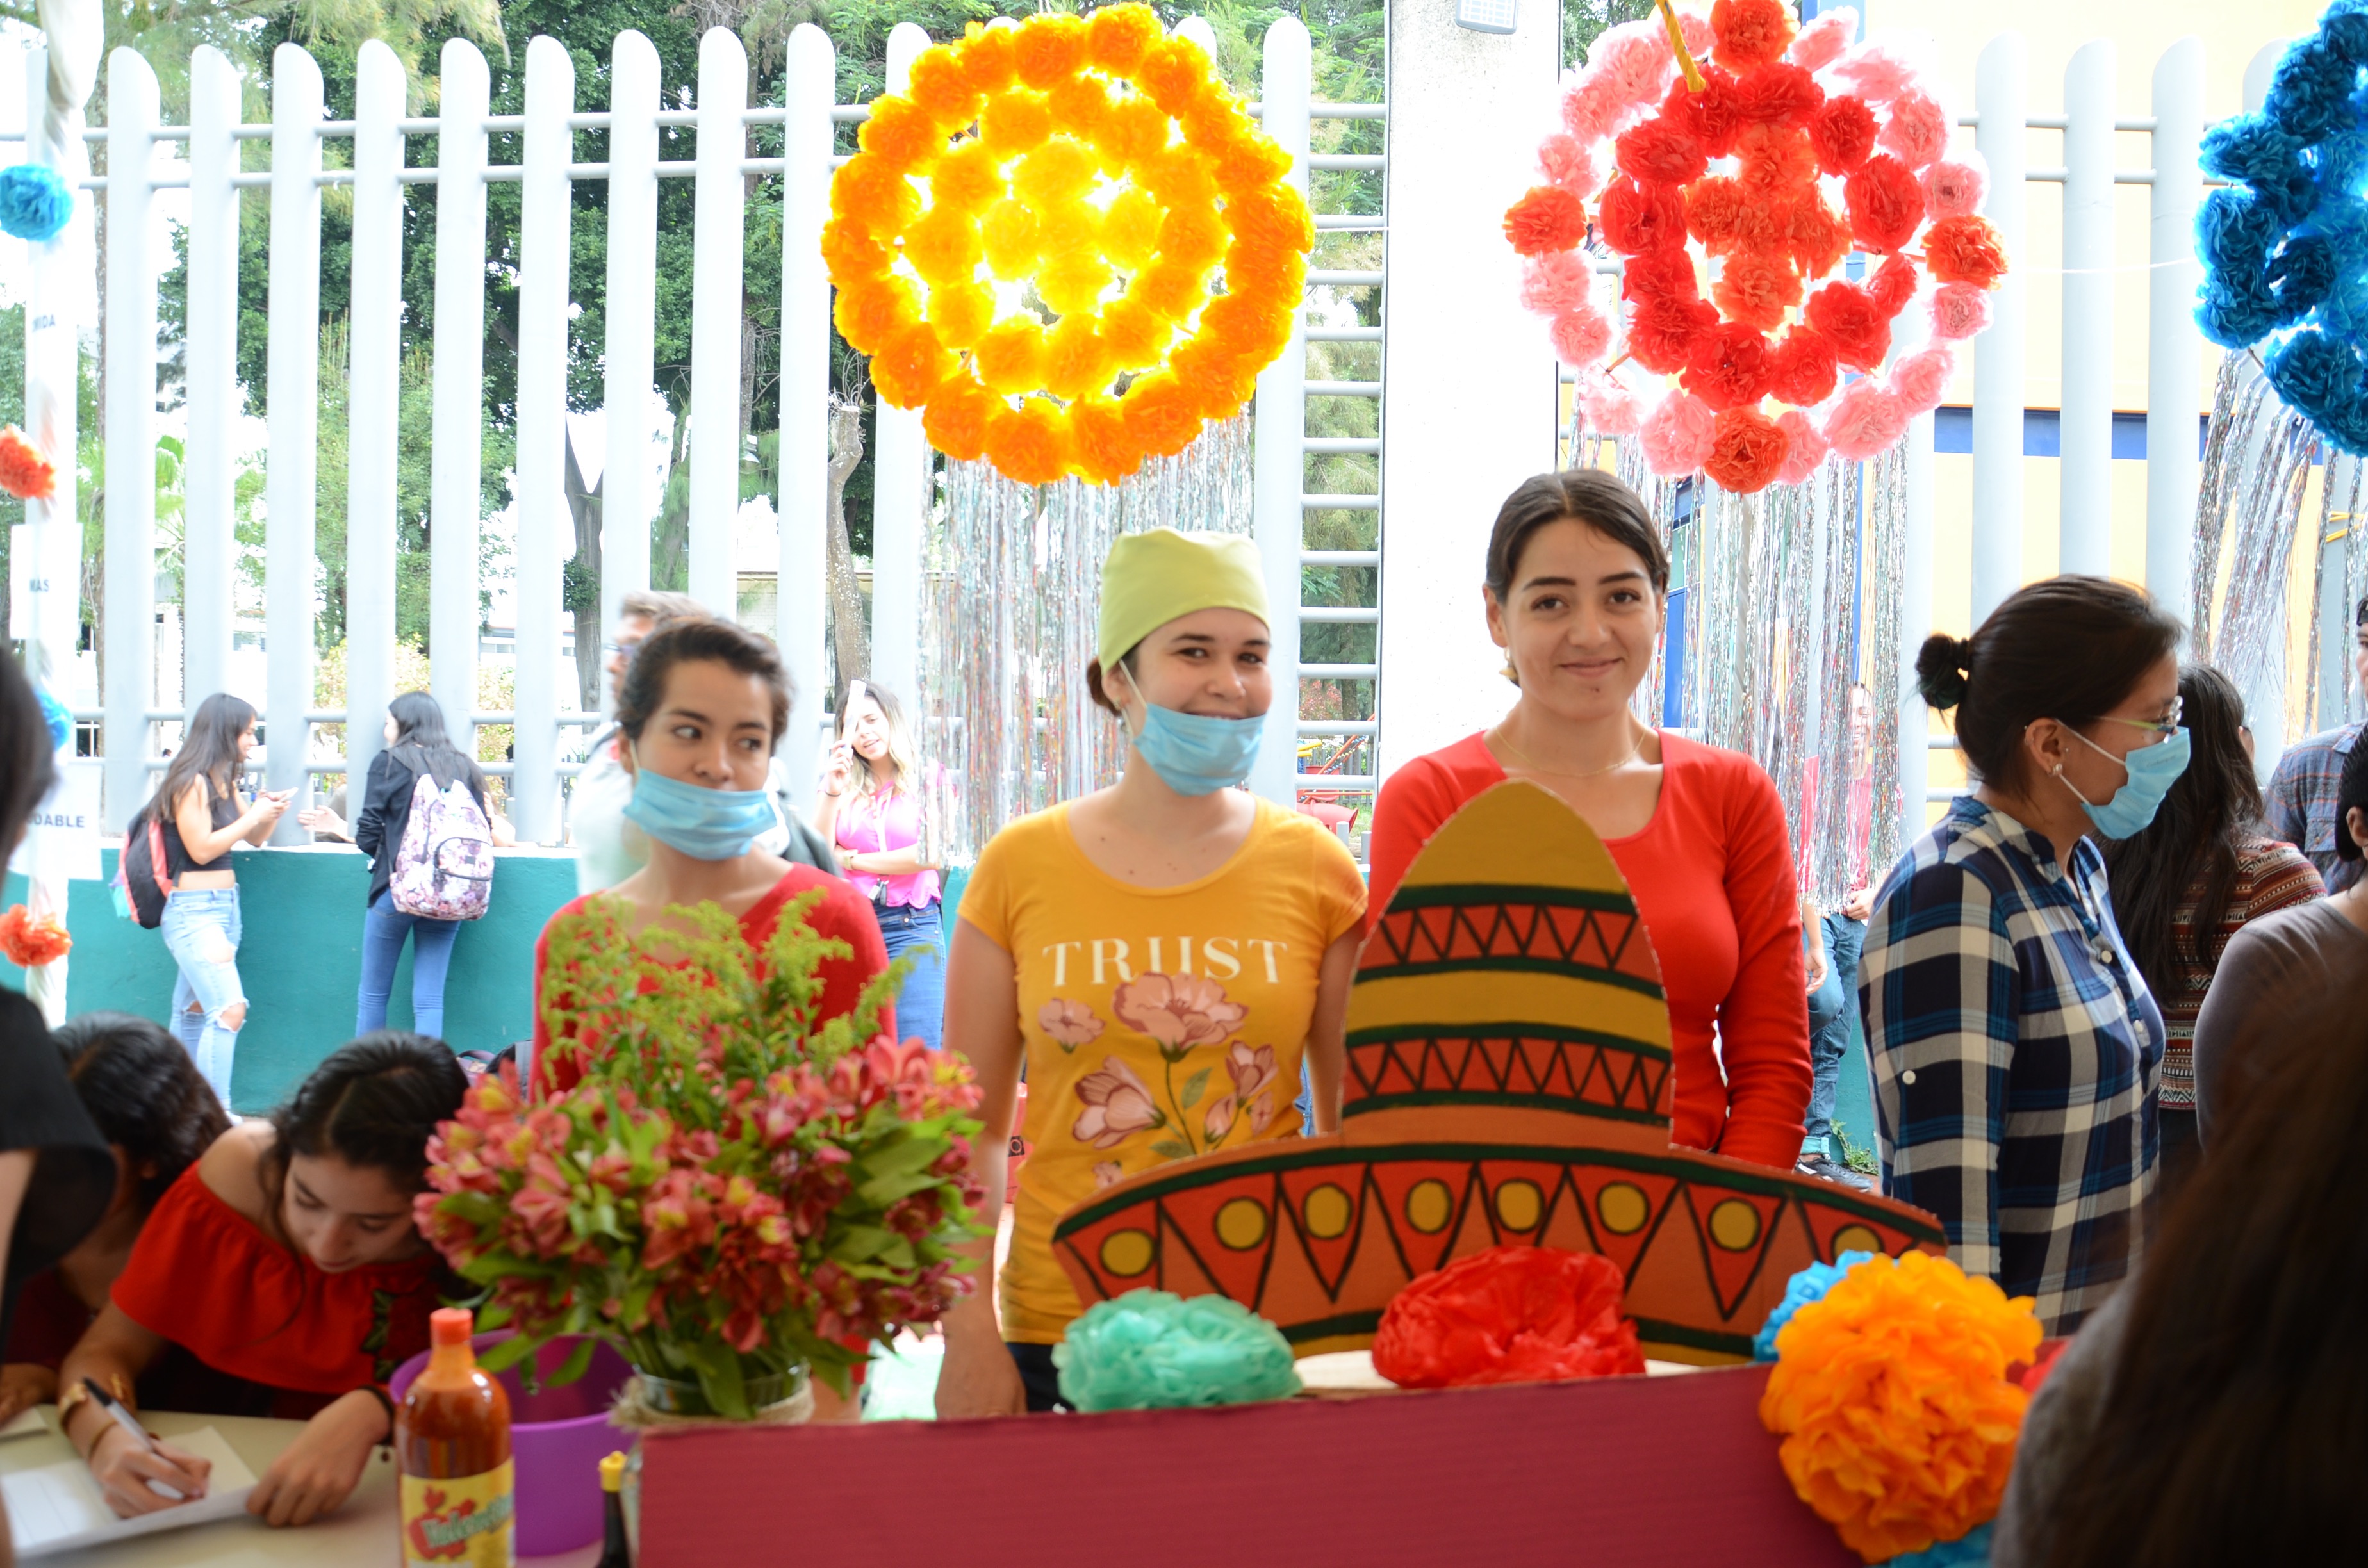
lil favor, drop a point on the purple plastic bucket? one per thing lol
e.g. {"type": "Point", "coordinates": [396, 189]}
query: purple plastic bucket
{"type": "Point", "coordinates": [557, 1440]}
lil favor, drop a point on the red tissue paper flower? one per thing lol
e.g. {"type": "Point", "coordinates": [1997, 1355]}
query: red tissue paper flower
{"type": "Point", "coordinates": [1659, 152]}
{"type": "Point", "coordinates": [1842, 133]}
{"type": "Point", "coordinates": [1859, 329]}
{"type": "Point", "coordinates": [1512, 1314]}
{"type": "Point", "coordinates": [1636, 219]}
{"type": "Point", "coordinates": [30, 943]}
{"type": "Point", "coordinates": [1886, 202]}
{"type": "Point", "coordinates": [24, 471]}
{"type": "Point", "coordinates": [1965, 250]}
{"type": "Point", "coordinates": [1549, 218]}
{"type": "Point", "coordinates": [1751, 32]}
{"type": "Point", "coordinates": [1727, 366]}
{"type": "Point", "coordinates": [1747, 450]}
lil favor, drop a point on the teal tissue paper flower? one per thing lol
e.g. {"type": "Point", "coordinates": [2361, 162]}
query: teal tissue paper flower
{"type": "Point", "coordinates": [1971, 1550]}
{"type": "Point", "coordinates": [1151, 1350]}
{"type": "Point", "coordinates": [34, 202]}
{"type": "Point", "coordinates": [1810, 1285]}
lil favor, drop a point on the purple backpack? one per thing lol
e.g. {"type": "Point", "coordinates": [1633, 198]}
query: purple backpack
{"type": "Point", "coordinates": [444, 868]}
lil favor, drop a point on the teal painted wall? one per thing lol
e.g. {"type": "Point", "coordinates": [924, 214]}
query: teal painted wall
{"type": "Point", "coordinates": [301, 960]}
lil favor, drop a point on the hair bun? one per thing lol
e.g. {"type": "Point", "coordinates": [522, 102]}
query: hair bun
{"type": "Point", "coordinates": [1941, 666]}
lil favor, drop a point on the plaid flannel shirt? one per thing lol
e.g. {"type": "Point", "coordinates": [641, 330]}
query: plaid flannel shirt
{"type": "Point", "coordinates": [2301, 801]}
{"type": "Point", "coordinates": [2016, 1054]}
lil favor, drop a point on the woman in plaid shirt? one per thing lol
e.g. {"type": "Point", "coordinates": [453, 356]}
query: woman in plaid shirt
{"type": "Point", "coordinates": [2016, 1048]}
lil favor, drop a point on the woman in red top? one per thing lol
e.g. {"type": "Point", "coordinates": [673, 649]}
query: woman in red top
{"type": "Point", "coordinates": [285, 1256]}
{"type": "Point", "coordinates": [703, 707]}
{"type": "Point", "coordinates": [1576, 596]}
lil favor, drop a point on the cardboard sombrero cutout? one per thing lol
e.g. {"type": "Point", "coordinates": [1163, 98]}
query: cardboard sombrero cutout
{"type": "Point", "coordinates": [1509, 1079]}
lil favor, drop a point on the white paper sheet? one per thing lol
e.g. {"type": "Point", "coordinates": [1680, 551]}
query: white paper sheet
{"type": "Point", "coordinates": [28, 1424]}
{"type": "Point", "coordinates": [59, 1507]}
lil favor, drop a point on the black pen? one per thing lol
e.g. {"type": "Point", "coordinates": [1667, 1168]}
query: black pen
{"type": "Point", "coordinates": [125, 1419]}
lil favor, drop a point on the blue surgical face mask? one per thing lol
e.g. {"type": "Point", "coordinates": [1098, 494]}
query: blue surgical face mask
{"type": "Point", "coordinates": [706, 824]}
{"type": "Point", "coordinates": [1193, 753]}
{"type": "Point", "coordinates": [2153, 770]}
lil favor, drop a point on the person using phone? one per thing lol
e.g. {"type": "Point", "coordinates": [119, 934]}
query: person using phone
{"type": "Point", "coordinates": [871, 810]}
{"type": "Point", "coordinates": [203, 812]}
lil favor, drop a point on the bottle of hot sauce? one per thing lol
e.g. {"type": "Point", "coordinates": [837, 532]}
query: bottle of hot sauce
{"type": "Point", "coordinates": [454, 1439]}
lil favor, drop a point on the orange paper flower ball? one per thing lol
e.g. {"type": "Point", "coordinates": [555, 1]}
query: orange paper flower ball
{"type": "Point", "coordinates": [1747, 448]}
{"type": "Point", "coordinates": [995, 164]}
{"type": "Point", "coordinates": [30, 943]}
{"type": "Point", "coordinates": [1965, 250]}
{"type": "Point", "coordinates": [1891, 1394]}
{"type": "Point", "coordinates": [1548, 219]}
{"type": "Point", "coordinates": [24, 471]}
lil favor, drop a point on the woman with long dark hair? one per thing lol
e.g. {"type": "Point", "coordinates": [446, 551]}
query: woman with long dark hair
{"type": "Point", "coordinates": [871, 810]}
{"type": "Point", "coordinates": [287, 1260]}
{"type": "Point", "coordinates": [203, 812]}
{"type": "Point", "coordinates": [416, 748]}
{"type": "Point", "coordinates": [2211, 1412]}
{"type": "Point", "coordinates": [2191, 880]}
{"type": "Point", "coordinates": [2015, 1046]}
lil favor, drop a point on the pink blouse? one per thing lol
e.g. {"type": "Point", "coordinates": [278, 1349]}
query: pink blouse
{"type": "Point", "coordinates": [873, 824]}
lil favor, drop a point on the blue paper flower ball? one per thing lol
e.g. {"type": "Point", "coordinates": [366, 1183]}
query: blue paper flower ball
{"type": "Point", "coordinates": [34, 202]}
{"type": "Point", "coordinates": [2285, 248]}
{"type": "Point", "coordinates": [57, 716]}
{"type": "Point", "coordinates": [1808, 1286]}
{"type": "Point", "coordinates": [1152, 1350]}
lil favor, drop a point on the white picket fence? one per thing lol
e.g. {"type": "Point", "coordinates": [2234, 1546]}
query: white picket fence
{"type": "Point", "coordinates": [297, 132]}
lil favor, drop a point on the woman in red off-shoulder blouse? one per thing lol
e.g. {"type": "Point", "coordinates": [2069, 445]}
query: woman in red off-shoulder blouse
{"type": "Point", "coordinates": [1574, 594]}
{"type": "Point", "coordinates": [286, 1258]}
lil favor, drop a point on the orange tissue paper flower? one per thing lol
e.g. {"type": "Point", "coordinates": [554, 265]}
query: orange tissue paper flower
{"type": "Point", "coordinates": [970, 179]}
{"type": "Point", "coordinates": [943, 247]}
{"type": "Point", "coordinates": [1965, 250]}
{"type": "Point", "coordinates": [1074, 280]}
{"type": "Point", "coordinates": [988, 56]}
{"type": "Point", "coordinates": [1548, 218]}
{"type": "Point", "coordinates": [24, 471]}
{"type": "Point", "coordinates": [1014, 122]}
{"type": "Point", "coordinates": [1103, 452]}
{"type": "Point", "coordinates": [1117, 36]}
{"type": "Point", "coordinates": [1135, 333]}
{"type": "Point", "coordinates": [1011, 240]}
{"type": "Point", "coordinates": [876, 194]}
{"type": "Point", "coordinates": [1010, 358]}
{"type": "Point", "coordinates": [939, 87]}
{"type": "Point", "coordinates": [962, 312]}
{"type": "Point", "coordinates": [1160, 415]}
{"type": "Point", "coordinates": [903, 133]}
{"type": "Point", "coordinates": [1756, 289]}
{"type": "Point", "coordinates": [958, 416]}
{"type": "Point", "coordinates": [1194, 236]}
{"type": "Point", "coordinates": [1171, 287]}
{"type": "Point", "coordinates": [1891, 1394]}
{"type": "Point", "coordinates": [1051, 46]}
{"type": "Point", "coordinates": [1078, 105]}
{"type": "Point", "coordinates": [1179, 177]}
{"type": "Point", "coordinates": [1511, 1314]}
{"type": "Point", "coordinates": [1172, 73]}
{"type": "Point", "coordinates": [1069, 227]}
{"type": "Point", "coordinates": [1249, 164]}
{"type": "Point", "coordinates": [1751, 32]}
{"type": "Point", "coordinates": [1277, 216]}
{"type": "Point", "coordinates": [868, 312]}
{"type": "Point", "coordinates": [1075, 362]}
{"type": "Point", "coordinates": [30, 943]}
{"type": "Point", "coordinates": [1131, 230]}
{"type": "Point", "coordinates": [1747, 451]}
{"type": "Point", "coordinates": [909, 368]}
{"type": "Point", "coordinates": [850, 252]}
{"type": "Point", "coordinates": [1134, 131]}
{"type": "Point", "coordinates": [1029, 444]}
{"type": "Point", "coordinates": [1060, 171]}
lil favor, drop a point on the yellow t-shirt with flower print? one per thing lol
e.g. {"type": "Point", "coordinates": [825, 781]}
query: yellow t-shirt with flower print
{"type": "Point", "coordinates": [1159, 1023]}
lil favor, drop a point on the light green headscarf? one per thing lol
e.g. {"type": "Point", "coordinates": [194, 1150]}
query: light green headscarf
{"type": "Point", "coordinates": [1152, 578]}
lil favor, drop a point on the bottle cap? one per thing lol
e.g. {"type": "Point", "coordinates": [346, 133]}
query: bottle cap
{"type": "Point", "coordinates": [612, 1473]}
{"type": "Point", "coordinates": [451, 1325]}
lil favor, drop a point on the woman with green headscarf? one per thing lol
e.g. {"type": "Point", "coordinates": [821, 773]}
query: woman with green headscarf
{"type": "Point", "coordinates": [1162, 954]}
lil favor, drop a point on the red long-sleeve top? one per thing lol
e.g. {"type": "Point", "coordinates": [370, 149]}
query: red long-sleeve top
{"type": "Point", "coordinates": [1712, 874]}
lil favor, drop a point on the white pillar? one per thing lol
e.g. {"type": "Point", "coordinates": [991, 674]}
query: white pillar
{"type": "Point", "coordinates": [1915, 625]}
{"type": "Point", "coordinates": [626, 502]}
{"type": "Point", "coordinates": [458, 410]}
{"type": "Point", "coordinates": [2000, 94]}
{"type": "Point", "coordinates": [2086, 543]}
{"type": "Point", "coordinates": [1281, 431]}
{"type": "Point", "coordinates": [900, 492]}
{"type": "Point", "coordinates": [2174, 347]}
{"type": "Point", "coordinates": [210, 476]}
{"type": "Point", "coordinates": [718, 235]}
{"type": "Point", "coordinates": [130, 425]}
{"type": "Point", "coordinates": [293, 370]}
{"type": "Point", "coordinates": [805, 393]}
{"type": "Point", "coordinates": [374, 391]}
{"type": "Point", "coordinates": [1472, 380]}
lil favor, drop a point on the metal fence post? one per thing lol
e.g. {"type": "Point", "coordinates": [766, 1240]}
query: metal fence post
{"type": "Point", "coordinates": [800, 593]}
{"type": "Point", "coordinates": [459, 399]}
{"type": "Point", "coordinates": [2174, 348]}
{"type": "Point", "coordinates": [2000, 94]}
{"type": "Point", "coordinates": [293, 361]}
{"type": "Point", "coordinates": [1281, 432]}
{"type": "Point", "coordinates": [131, 428]}
{"type": "Point", "coordinates": [374, 385]}
{"type": "Point", "coordinates": [720, 230]}
{"type": "Point", "coordinates": [210, 476]}
{"type": "Point", "coordinates": [2086, 431]}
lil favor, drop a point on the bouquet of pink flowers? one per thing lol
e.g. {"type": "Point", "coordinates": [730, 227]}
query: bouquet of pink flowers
{"type": "Point", "coordinates": [732, 1188]}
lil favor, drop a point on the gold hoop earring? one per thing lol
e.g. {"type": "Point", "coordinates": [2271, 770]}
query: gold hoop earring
{"type": "Point", "coordinates": [1510, 674]}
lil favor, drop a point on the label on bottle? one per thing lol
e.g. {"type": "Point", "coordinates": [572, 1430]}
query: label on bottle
{"type": "Point", "coordinates": [463, 1520]}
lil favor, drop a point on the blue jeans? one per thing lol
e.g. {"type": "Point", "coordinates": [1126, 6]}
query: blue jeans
{"type": "Point", "coordinates": [383, 929]}
{"type": "Point", "coordinates": [1829, 1028]}
{"type": "Point", "coordinates": [201, 931]}
{"type": "Point", "coordinates": [920, 931]}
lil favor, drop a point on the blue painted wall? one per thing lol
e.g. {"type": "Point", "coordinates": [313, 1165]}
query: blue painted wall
{"type": "Point", "coordinates": [301, 960]}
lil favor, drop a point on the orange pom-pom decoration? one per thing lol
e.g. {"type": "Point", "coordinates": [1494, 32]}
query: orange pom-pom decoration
{"type": "Point", "coordinates": [1548, 219]}
{"type": "Point", "coordinates": [30, 943]}
{"type": "Point", "coordinates": [1892, 1395]}
{"type": "Point", "coordinates": [1747, 448]}
{"type": "Point", "coordinates": [24, 471]}
{"type": "Point", "coordinates": [1511, 1314]}
{"type": "Point", "coordinates": [1039, 116]}
{"type": "Point", "coordinates": [1965, 250]}
{"type": "Point", "coordinates": [1751, 32]}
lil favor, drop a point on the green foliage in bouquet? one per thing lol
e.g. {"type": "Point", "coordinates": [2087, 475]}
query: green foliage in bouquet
{"type": "Point", "coordinates": [734, 1185]}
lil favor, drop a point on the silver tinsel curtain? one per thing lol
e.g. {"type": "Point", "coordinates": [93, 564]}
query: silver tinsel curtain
{"type": "Point", "coordinates": [2255, 488]}
{"type": "Point", "coordinates": [1009, 607]}
{"type": "Point", "coordinates": [1780, 587]}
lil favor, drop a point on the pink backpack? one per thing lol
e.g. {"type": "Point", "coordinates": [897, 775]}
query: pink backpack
{"type": "Point", "coordinates": [444, 868]}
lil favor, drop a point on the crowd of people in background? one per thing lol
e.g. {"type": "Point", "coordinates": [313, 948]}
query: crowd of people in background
{"type": "Point", "coordinates": [2111, 1010]}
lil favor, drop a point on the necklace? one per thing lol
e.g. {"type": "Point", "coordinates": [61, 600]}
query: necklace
{"type": "Point", "coordinates": [1635, 744]}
